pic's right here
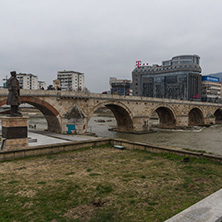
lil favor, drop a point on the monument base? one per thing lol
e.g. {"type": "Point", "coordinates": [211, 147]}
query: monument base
{"type": "Point", "coordinates": [14, 133]}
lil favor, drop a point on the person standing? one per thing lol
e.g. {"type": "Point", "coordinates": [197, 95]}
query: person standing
{"type": "Point", "coordinates": [14, 94]}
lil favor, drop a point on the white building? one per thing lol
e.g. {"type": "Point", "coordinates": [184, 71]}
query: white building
{"type": "Point", "coordinates": [42, 85]}
{"type": "Point", "coordinates": [211, 89]}
{"type": "Point", "coordinates": [27, 81]}
{"type": "Point", "coordinates": [57, 84]}
{"type": "Point", "coordinates": [71, 80]}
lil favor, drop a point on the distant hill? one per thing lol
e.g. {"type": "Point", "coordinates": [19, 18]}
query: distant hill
{"type": "Point", "coordinates": [218, 75]}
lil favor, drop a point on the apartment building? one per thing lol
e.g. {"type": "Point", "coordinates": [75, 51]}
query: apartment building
{"type": "Point", "coordinates": [71, 80]}
{"type": "Point", "coordinates": [211, 89]}
{"type": "Point", "coordinates": [27, 81]}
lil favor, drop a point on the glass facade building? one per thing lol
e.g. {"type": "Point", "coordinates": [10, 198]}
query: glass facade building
{"type": "Point", "coordinates": [178, 78]}
{"type": "Point", "coordinates": [120, 86]}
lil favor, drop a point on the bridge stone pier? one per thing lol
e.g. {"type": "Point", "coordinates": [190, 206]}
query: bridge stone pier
{"type": "Point", "coordinates": [71, 111]}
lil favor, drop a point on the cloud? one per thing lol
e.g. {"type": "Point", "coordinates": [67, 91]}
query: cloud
{"type": "Point", "coordinates": [104, 38]}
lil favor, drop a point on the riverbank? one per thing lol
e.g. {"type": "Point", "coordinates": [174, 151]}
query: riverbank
{"type": "Point", "coordinates": [206, 139]}
{"type": "Point", "coordinates": [104, 184]}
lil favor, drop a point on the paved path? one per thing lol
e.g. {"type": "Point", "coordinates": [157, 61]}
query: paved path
{"type": "Point", "coordinates": [45, 137]}
{"type": "Point", "coordinates": [207, 210]}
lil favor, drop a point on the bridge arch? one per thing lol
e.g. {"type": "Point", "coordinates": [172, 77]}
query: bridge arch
{"type": "Point", "coordinates": [50, 113]}
{"type": "Point", "coordinates": [122, 114]}
{"type": "Point", "coordinates": [195, 117]}
{"type": "Point", "coordinates": [218, 116]}
{"type": "Point", "coordinates": [166, 116]}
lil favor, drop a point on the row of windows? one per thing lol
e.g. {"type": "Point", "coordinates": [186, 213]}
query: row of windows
{"type": "Point", "coordinates": [69, 81]}
{"type": "Point", "coordinates": [166, 68]}
{"type": "Point", "coordinates": [190, 59]}
{"type": "Point", "coordinates": [69, 76]}
{"type": "Point", "coordinates": [183, 57]}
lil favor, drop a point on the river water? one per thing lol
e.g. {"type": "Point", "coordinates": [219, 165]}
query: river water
{"type": "Point", "coordinates": [198, 138]}
{"type": "Point", "coordinates": [208, 139]}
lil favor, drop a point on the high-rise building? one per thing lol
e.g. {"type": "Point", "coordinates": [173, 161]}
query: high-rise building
{"type": "Point", "coordinates": [27, 81]}
{"type": "Point", "coordinates": [120, 86]}
{"type": "Point", "coordinates": [211, 89]}
{"type": "Point", "coordinates": [71, 80]}
{"type": "Point", "coordinates": [178, 78]}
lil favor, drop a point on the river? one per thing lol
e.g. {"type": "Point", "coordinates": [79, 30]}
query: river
{"type": "Point", "coordinates": [198, 138]}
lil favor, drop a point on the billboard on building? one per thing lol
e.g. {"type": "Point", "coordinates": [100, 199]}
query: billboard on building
{"type": "Point", "coordinates": [210, 78]}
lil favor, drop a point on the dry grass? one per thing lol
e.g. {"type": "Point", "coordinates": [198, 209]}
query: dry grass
{"type": "Point", "coordinates": [103, 184]}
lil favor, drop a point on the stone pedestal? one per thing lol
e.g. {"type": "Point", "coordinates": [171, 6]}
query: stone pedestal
{"type": "Point", "coordinates": [14, 133]}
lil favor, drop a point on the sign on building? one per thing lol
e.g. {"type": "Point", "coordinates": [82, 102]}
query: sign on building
{"type": "Point", "coordinates": [210, 78]}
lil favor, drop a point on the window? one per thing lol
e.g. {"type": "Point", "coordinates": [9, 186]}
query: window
{"type": "Point", "coordinates": [186, 57]}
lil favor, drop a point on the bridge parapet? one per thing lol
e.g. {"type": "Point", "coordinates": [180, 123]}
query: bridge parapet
{"type": "Point", "coordinates": [132, 113]}
{"type": "Point", "coordinates": [68, 94]}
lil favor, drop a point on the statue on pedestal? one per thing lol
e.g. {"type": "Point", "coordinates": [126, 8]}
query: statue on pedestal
{"type": "Point", "coordinates": [14, 95]}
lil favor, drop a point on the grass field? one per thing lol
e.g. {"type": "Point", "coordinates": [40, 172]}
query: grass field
{"type": "Point", "coordinates": [103, 184]}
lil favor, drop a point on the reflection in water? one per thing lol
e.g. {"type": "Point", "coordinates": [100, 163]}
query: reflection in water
{"type": "Point", "coordinates": [100, 128]}
{"type": "Point", "coordinates": [208, 139]}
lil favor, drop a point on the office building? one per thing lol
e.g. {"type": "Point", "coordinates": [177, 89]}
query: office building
{"type": "Point", "coordinates": [27, 81]}
{"type": "Point", "coordinates": [211, 89]}
{"type": "Point", "coordinates": [71, 80]}
{"type": "Point", "coordinates": [178, 78]}
{"type": "Point", "coordinates": [120, 86]}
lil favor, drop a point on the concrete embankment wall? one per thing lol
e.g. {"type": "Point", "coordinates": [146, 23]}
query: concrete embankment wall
{"type": "Point", "coordinates": [48, 149]}
{"type": "Point", "coordinates": [162, 149]}
{"type": "Point", "coordinates": [69, 146]}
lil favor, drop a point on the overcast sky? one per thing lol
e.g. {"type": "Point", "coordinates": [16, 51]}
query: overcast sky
{"type": "Point", "coordinates": [104, 38]}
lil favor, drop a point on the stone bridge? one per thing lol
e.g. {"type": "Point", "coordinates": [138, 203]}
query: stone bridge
{"type": "Point", "coordinates": [132, 114]}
